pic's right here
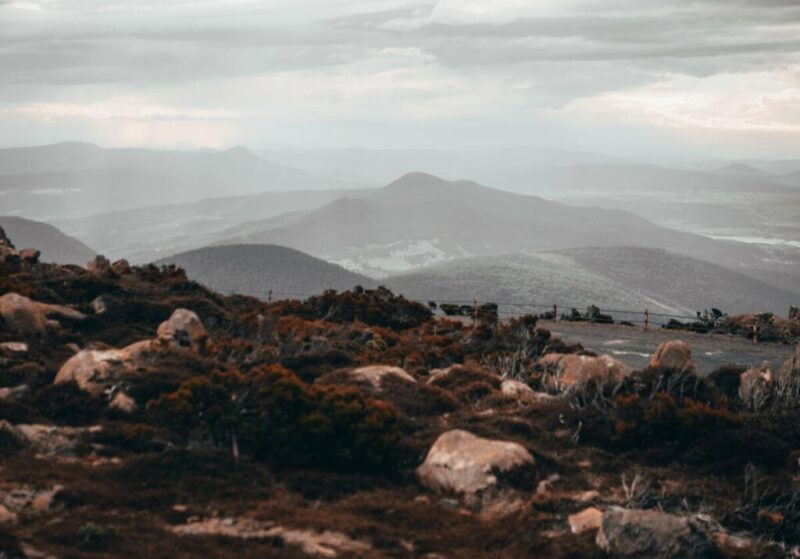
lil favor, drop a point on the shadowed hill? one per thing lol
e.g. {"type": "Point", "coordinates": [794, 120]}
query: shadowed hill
{"type": "Point", "coordinates": [257, 269]}
{"type": "Point", "coordinates": [54, 244]}
{"type": "Point", "coordinates": [615, 277]}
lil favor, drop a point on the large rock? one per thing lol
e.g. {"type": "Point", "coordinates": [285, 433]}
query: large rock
{"type": "Point", "coordinates": [374, 374]}
{"type": "Point", "coordinates": [183, 329]}
{"type": "Point", "coordinates": [460, 462]}
{"type": "Point", "coordinates": [25, 316]}
{"type": "Point", "coordinates": [651, 533]}
{"type": "Point", "coordinates": [674, 354]}
{"type": "Point", "coordinates": [97, 370]}
{"type": "Point", "coordinates": [568, 371]}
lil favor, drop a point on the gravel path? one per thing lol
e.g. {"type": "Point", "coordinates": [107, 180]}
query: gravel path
{"type": "Point", "coordinates": [633, 345]}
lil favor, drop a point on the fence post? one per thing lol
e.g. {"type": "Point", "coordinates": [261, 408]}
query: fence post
{"type": "Point", "coordinates": [555, 313]}
{"type": "Point", "coordinates": [646, 320]}
{"type": "Point", "coordinates": [269, 296]}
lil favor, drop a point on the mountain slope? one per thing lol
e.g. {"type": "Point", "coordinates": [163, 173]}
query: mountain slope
{"type": "Point", "coordinates": [462, 218]}
{"type": "Point", "coordinates": [612, 278]}
{"type": "Point", "coordinates": [151, 232]}
{"type": "Point", "coordinates": [74, 179]}
{"type": "Point", "coordinates": [257, 269]}
{"type": "Point", "coordinates": [54, 245]}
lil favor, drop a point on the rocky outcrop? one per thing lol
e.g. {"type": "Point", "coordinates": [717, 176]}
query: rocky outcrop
{"type": "Point", "coordinates": [462, 463]}
{"type": "Point", "coordinates": [565, 372]}
{"type": "Point", "coordinates": [96, 371]}
{"type": "Point", "coordinates": [674, 354]}
{"type": "Point", "coordinates": [375, 374]}
{"type": "Point", "coordinates": [24, 316]}
{"type": "Point", "coordinates": [651, 533]}
{"type": "Point", "coordinates": [183, 329]}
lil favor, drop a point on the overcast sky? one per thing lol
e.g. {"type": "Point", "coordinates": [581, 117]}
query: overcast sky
{"type": "Point", "coordinates": [675, 77]}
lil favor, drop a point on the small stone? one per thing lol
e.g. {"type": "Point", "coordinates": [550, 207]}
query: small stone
{"type": "Point", "coordinates": [587, 519]}
{"type": "Point", "coordinates": [14, 347]}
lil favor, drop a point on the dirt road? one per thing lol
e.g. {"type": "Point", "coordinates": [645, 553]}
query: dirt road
{"type": "Point", "coordinates": [633, 345]}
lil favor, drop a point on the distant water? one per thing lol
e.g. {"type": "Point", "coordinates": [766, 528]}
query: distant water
{"type": "Point", "coordinates": [756, 240]}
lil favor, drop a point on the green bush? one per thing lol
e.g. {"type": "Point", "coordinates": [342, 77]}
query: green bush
{"type": "Point", "coordinates": [277, 417]}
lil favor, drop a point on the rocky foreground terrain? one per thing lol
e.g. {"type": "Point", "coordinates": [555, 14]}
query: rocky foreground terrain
{"type": "Point", "coordinates": [142, 415]}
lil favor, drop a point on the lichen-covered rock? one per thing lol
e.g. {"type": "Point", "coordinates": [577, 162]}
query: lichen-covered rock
{"type": "Point", "coordinates": [674, 354]}
{"type": "Point", "coordinates": [183, 329]}
{"type": "Point", "coordinates": [24, 316]}
{"type": "Point", "coordinates": [651, 533]}
{"type": "Point", "coordinates": [374, 374]}
{"type": "Point", "coordinates": [565, 372]}
{"type": "Point", "coordinates": [96, 370]}
{"type": "Point", "coordinates": [460, 462]}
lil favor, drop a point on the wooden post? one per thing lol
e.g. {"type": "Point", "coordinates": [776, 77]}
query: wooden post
{"type": "Point", "coordinates": [555, 313]}
{"type": "Point", "coordinates": [646, 320]}
{"type": "Point", "coordinates": [269, 296]}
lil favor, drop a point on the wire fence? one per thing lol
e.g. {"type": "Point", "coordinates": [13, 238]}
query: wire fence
{"type": "Point", "coordinates": [643, 317]}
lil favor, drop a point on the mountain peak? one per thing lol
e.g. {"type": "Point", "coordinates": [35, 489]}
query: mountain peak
{"type": "Point", "coordinates": [417, 180]}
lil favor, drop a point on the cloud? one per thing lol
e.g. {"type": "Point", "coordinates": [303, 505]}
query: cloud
{"type": "Point", "coordinates": [378, 62]}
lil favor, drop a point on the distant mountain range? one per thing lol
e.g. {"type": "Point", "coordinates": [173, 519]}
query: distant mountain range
{"type": "Point", "coordinates": [258, 269]}
{"type": "Point", "coordinates": [77, 179]}
{"type": "Point", "coordinates": [54, 245]}
{"type": "Point", "coordinates": [610, 277]}
{"type": "Point", "coordinates": [421, 219]}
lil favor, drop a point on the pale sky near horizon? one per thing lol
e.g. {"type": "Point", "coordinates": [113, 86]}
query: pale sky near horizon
{"type": "Point", "coordinates": [678, 77]}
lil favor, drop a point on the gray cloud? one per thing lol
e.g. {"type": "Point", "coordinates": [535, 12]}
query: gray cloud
{"type": "Point", "coordinates": [342, 58]}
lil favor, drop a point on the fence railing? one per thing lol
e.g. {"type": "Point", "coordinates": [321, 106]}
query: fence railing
{"type": "Point", "coordinates": [643, 317]}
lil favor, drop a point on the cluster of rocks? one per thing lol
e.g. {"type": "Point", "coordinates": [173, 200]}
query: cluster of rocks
{"type": "Point", "coordinates": [100, 371]}
{"type": "Point", "coordinates": [9, 253]}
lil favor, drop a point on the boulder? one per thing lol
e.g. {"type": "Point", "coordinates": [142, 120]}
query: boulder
{"type": "Point", "coordinates": [651, 533]}
{"type": "Point", "coordinates": [96, 370]}
{"type": "Point", "coordinates": [520, 391]}
{"type": "Point", "coordinates": [587, 519]}
{"type": "Point", "coordinates": [25, 316]}
{"type": "Point", "coordinates": [99, 266]}
{"type": "Point", "coordinates": [674, 354]}
{"type": "Point", "coordinates": [183, 329]}
{"type": "Point", "coordinates": [374, 374]}
{"type": "Point", "coordinates": [463, 463]}
{"type": "Point", "coordinates": [568, 371]}
{"type": "Point", "coordinates": [755, 385]}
